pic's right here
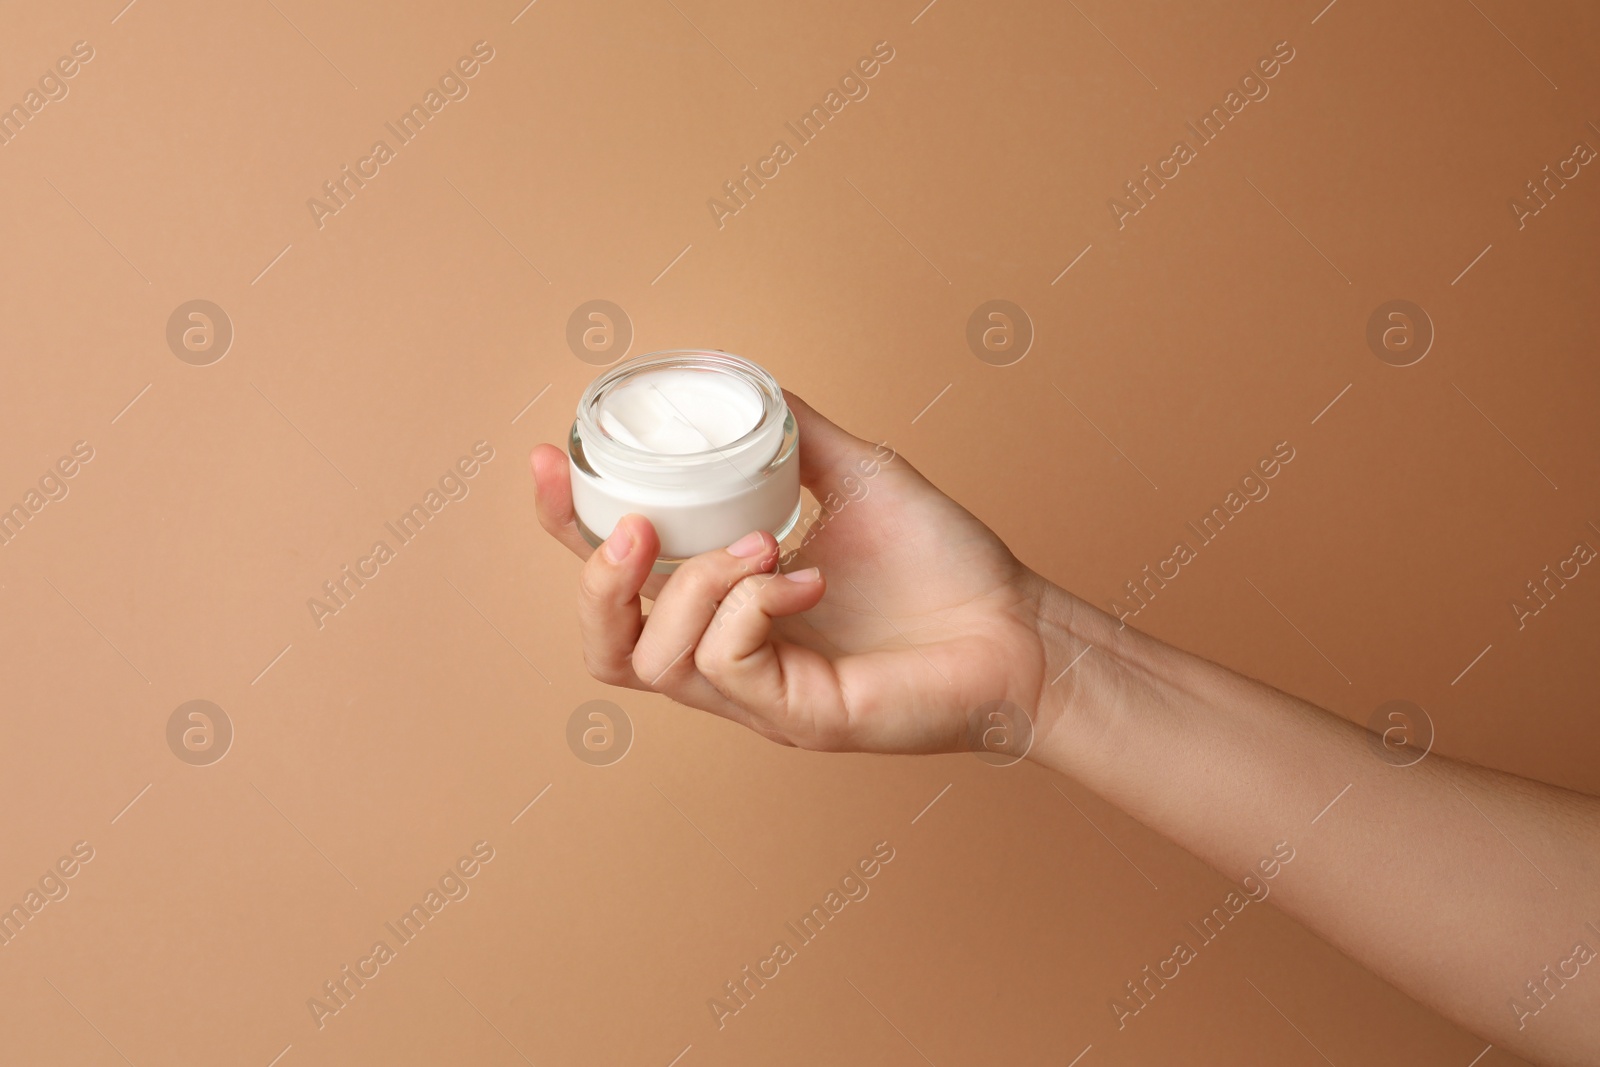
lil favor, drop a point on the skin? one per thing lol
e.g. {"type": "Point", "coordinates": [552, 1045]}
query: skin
{"type": "Point", "coordinates": [1458, 884]}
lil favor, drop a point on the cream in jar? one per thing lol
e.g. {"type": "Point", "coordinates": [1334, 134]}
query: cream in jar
{"type": "Point", "coordinates": [700, 443]}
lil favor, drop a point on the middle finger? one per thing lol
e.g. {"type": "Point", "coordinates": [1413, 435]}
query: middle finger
{"type": "Point", "coordinates": [663, 655]}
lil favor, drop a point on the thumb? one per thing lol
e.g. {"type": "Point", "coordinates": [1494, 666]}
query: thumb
{"type": "Point", "coordinates": [829, 454]}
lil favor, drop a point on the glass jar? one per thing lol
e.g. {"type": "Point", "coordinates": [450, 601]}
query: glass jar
{"type": "Point", "coordinates": [700, 443]}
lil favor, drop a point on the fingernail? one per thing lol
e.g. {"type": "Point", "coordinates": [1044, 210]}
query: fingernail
{"type": "Point", "coordinates": [749, 545]}
{"type": "Point", "coordinates": [810, 574]}
{"type": "Point", "coordinates": [619, 544]}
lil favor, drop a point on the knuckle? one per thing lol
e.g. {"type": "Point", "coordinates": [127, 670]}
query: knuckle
{"type": "Point", "coordinates": [707, 575]}
{"type": "Point", "coordinates": [709, 662]}
{"type": "Point", "coordinates": [716, 574]}
{"type": "Point", "coordinates": [592, 587]}
{"type": "Point", "coordinates": [746, 590]}
{"type": "Point", "coordinates": [700, 585]}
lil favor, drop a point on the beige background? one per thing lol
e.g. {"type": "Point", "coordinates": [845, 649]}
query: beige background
{"type": "Point", "coordinates": [370, 754]}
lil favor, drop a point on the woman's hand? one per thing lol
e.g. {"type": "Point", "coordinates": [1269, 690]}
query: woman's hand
{"type": "Point", "coordinates": [900, 619]}
{"type": "Point", "coordinates": [920, 619]}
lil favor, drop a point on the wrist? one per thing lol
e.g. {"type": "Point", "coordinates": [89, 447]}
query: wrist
{"type": "Point", "coordinates": [1092, 662]}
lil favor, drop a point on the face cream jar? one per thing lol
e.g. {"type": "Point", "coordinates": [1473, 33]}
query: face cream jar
{"type": "Point", "coordinates": [700, 443]}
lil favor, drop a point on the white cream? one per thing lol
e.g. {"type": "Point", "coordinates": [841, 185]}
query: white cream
{"type": "Point", "coordinates": [700, 443]}
{"type": "Point", "coordinates": [675, 412]}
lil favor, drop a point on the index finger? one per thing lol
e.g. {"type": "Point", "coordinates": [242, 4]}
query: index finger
{"type": "Point", "coordinates": [552, 481]}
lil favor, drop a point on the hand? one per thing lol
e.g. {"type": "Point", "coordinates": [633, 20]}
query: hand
{"type": "Point", "coordinates": [887, 632]}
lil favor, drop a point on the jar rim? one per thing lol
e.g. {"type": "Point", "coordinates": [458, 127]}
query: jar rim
{"type": "Point", "coordinates": [773, 405]}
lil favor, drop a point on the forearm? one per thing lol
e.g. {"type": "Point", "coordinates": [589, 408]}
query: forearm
{"type": "Point", "coordinates": [1457, 884]}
